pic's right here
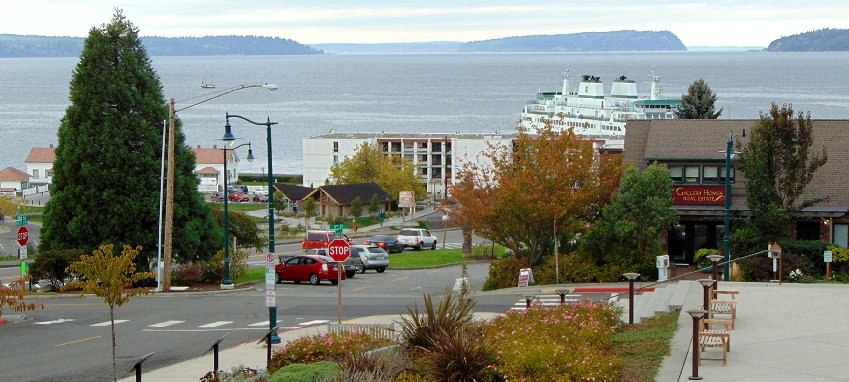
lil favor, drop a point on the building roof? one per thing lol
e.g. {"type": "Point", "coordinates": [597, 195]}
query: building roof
{"type": "Point", "coordinates": [207, 170]}
{"type": "Point", "coordinates": [210, 155]}
{"type": "Point", "coordinates": [11, 174]}
{"type": "Point", "coordinates": [700, 140]}
{"type": "Point", "coordinates": [293, 191]}
{"type": "Point", "coordinates": [344, 194]}
{"type": "Point", "coordinates": [41, 155]}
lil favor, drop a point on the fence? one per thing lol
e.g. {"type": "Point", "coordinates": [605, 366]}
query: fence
{"type": "Point", "coordinates": [386, 331]}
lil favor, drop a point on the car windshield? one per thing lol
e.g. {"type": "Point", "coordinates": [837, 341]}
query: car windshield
{"type": "Point", "coordinates": [409, 232]}
{"type": "Point", "coordinates": [376, 250]}
{"type": "Point", "coordinates": [326, 259]}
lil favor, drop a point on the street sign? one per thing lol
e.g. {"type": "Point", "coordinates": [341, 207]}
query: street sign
{"type": "Point", "coordinates": [22, 252]}
{"type": "Point", "coordinates": [270, 277]}
{"type": "Point", "coordinates": [406, 199]}
{"type": "Point", "coordinates": [827, 257]}
{"type": "Point", "coordinates": [269, 260]}
{"type": "Point", "coordinates": [339, 250]}
{"type": "Point", "coordinates": [338, 228]}
{"type": "Point", "coordinates": [21, 220]}
{"type": "Point", "coordinates": [23, 236]}
{"type": "Point", "coordinates": [270, 298]}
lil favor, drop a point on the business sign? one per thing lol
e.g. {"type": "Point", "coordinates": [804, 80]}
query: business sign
{"type": "Point", "coordinates": [526, 276]}
{"type": "Point", "coordinates": [699, 195]}
{"type": "Point", "coordinates": [406, 199]}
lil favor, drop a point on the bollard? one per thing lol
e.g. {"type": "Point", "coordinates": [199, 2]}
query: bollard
{"type": "Point", "coordinates": [137, 368]}
{"type": "Point", "coordinates": [697, 314]}
{"type": "Point", "coordinates": [562, 293]}
{"type": "Point", "coordinates": [706, 284]}
{"type": "Point", "coordinates": [267, 339]}
{"type": "Point", "coordinates": [631, 276]}
{"type": "Point", "coordinates": [715, 259]}
{"type": "Point", "coordinates": [528, 299]}
{"type": "Point", "coordinates": [214, 349]}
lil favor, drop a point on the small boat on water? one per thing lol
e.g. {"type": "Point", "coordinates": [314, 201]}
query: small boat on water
{"type": "Point", "coordinates": [206, 85]}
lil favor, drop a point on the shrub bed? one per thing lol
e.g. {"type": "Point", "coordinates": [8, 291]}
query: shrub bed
{"type": "Point", "coordinates": [321, 347]}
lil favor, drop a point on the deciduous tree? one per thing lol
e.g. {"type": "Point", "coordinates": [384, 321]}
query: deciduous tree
{"type": "Point", "coordinates": [779, 163]}
{"type": "Point", "coordinates": [242, 227]}
{"type": "Point", "coordinates": [357, 207]}
{"type": "Point", "coordinates": [310, 207]}
{"type": "Point", "coordinates": [13, 296]}
{"type": "Point", "coordinates": [108, 276]}
{"type": "Point", "coordinates": [368, 164]}
{"type": "Point", "coordinates": [628, 230]}
{"type": "Point", "coordinates": [374, 205]}
{"type": "Point", "coordinates": [106, 184]}
{"type": "Point", "coordinates": [698, 102]}
{"type": "Point", "coordinates": [516, 194]}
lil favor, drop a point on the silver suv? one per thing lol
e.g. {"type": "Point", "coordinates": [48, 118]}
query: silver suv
{"type": "Point", "coordinates": [371, 257]}
{"type": "Point", "coordinates": [417, 238]}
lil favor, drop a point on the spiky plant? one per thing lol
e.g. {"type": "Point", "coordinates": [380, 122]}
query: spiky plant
{"type": "Point", "coordinates": [449, 316]}
{"type": "Point", "coordinates": [461, 356]}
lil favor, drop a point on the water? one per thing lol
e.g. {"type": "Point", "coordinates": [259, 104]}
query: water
{"type": "Point", "coordinates": [410, 93]}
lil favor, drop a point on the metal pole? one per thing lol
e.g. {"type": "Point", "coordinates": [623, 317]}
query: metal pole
{"type": "Point", "coordinates": [339, 283]}
{"type": "Point", "coordinates": [169, 199]}
{"type": "Point", "coordinates": [272, 310]}
{"type": "Point", "coordinates": [226, 280]}
{"type": "Point", "coordinates": [630, 301]}
{"type": "Point", "coordinates": [726, 241]}
{"type": "Point", "coordinates": [696, 314]}
{"type": "Point", "coordinates": [159, 228]}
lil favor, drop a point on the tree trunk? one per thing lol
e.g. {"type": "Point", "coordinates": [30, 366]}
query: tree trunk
{"type": "Point", "coordinates": [467, 242]}
{"type": "Point", "coordinates": [112, 320]}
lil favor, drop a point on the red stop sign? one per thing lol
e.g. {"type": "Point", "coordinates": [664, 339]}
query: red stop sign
{"type": "Point", "coordinates": [339, 250]}
{"type": "Point", "coordinates": [23, 236]}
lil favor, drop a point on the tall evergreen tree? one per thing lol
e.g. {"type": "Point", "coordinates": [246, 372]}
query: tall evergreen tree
{"type": "Point", "coordinates": [106, 174]}
{"type": "Point", "coordinates": [698, 103]}
{"type": "Point", "coordinates": [779, 164]}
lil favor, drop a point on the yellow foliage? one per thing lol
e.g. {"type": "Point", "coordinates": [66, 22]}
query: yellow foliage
{"type": "Point", "coordinates": [839, 255]}
{"type": "Point", "coordinates": [107, 276]}
{"type": "Point", "coordinates": [14, 296]}
{"type": "Point", "coordinates": [9, 204]}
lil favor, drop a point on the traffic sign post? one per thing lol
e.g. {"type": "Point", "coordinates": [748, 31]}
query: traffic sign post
{"type": "Point", "coordinates": [827, 257]}
{"type": "Point", "coordinates": [23, 236]}
{"type": "Point", "coordinates": [339, 250]}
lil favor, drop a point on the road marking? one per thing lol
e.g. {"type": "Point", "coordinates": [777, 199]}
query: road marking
{"type": "Point", "coordinates": [313, 323]}
{"type": "Point", "coordinates": [361, 288]}
{"type": "Point", "coordinates": [107, 323]}
{"type": "Point", "coordinates": [546, 300]}
{"type": "Point", "coordinates": [401, 278]}
{"type": "Point", "coordinates": [59, 321]}
{"type": "Point", "coordinates": [166, 324]}
{"type": "Point", "coordinates": [262, 323]}
{"type": "Point", "coordinates": [73, 342]}
{"type": "Point", "coordinates": [215, 324]}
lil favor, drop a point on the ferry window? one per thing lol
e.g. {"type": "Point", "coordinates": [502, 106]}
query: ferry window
{"type": "Point", "coordinates": [691, 174]}
{"type": "Point", "coordinates": [676, 173]}
{"type": "Point", "coordinates": [710, 174]}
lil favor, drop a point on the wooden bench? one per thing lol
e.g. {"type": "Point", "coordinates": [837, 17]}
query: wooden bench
{"type": "Point", "coordinates": [713, 339]}
{"type": "Point", "coordinates": [731, 293]}
{"type": "Point", "coordinates": [724, 307]}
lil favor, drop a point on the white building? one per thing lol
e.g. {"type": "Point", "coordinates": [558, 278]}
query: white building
{"type": "Point", "coordinates": [209, 167]}
{"type": "Point", "coordinates": [39, 165]}
{"type": "Point", "coordinates": [436, 156]}
{"type": "Point", "coordinates": [13, 180]}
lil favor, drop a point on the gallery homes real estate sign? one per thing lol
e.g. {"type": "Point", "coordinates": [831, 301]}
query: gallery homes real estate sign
{"type": "Point", "coordinates": [699, 195]}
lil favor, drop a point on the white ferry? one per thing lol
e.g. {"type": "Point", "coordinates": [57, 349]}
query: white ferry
{"type": "Point", "coordinates": [588, 112]}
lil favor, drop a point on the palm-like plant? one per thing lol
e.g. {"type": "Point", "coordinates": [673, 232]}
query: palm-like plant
{"type": "Point", "coordinates": [451, 315]}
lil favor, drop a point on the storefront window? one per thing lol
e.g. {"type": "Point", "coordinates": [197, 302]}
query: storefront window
{"type": "Point", "coordinates": [676, 173]}
{"type": "Point", "coordinates": [711, 174]}
{"type": "Point", "coordinates": [841, 235]}
{"type": "Point", "coordinates": [691, 174]}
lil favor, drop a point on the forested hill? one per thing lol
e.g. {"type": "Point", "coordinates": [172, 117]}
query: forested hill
{"type": "Point", "coordinates": [823, 40]}
{"type": "Point", "coordinates": [627, 40]}
{"type": "Point", "coordinates": [48, 46]}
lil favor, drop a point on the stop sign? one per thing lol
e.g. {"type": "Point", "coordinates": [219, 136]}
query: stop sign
{"type": "Point", "coordinates": [339, 250]}
{"type": "Point", "coordinates": [23, 236]}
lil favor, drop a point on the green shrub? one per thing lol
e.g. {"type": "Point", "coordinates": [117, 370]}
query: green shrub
{"type": "Point", "coordinates": [504, 273]}
{"type": "Point", "coordinates": [809, 249]}
{"type": "Point", "coordinates": [382, 365]}
{"type": "Point", "coordinates": [323, 347]}
{"type": "Point", "coordinates": [422, 224]}
{"type": "Point", "coordinates": [574, 268]}
{"type": "Point", "coordinates": [564, 343]}
{"type": "Point", "coordinates": [52, 265]}
{"type": "Point", "coordinates": [701, 258]}
{"type": "Point", "coordinates": [463, 355]}
{"type": "Point", "coordinates": [213, 269]}
{"type": "Point", "coordinates": [452, 314]}
{"type": "Point", "coordinates": [188, 273]}
{"type": "Point", "coordinates": [759, 268]}
{"type": "Point", "coordinates": [298, 372]}
{"type": "Point", "coordinates": [487, 250]}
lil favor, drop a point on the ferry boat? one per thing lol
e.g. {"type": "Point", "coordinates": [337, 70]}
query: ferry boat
{"type": "Point", "coordinates": [589, 112]}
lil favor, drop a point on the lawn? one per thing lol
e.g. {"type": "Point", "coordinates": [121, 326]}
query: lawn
{"type": "Point", "coordinates": [412, 259]}
{"type": "Point", "coordinates": [641, 347]}
{"type": "Point", "coordinates": [252, 274]}
{"type": "Point", "coordinates": [244, 207]}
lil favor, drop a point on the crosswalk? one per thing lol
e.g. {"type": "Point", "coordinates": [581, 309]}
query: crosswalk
{"type": "Point", "coordinates": [545, 300]}
{"type": "Point", "coordinates": [182, 325]}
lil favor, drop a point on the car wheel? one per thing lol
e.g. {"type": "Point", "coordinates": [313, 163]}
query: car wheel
{"type": "Point", "coordinates": [334, 282]}
{"type": "Point", "coordinates": [361, 268]}
{"type": "Point", "coordinates": [380, 270]}
{"type": "Point", "coordinates": [433, 247]}
{"type": "Point", "coordinates": [276, 278]}
{"type": "Point", "coordinates": [314, 280]}
{"type": "Point", "coordinates": [350, 274]}
{"type": "Point", "coordinates": [419, 247]}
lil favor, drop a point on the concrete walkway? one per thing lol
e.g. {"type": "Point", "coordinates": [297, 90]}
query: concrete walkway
{"type": "Point", "coordinates": [788, 332]}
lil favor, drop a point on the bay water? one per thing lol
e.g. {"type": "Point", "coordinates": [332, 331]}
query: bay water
{"type": "Point", "coordinates": [438, 93]}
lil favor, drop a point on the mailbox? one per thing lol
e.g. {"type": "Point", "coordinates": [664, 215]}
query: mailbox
{"type": "Point", "coordinates": [662, 263]}
{"type": "Point", "coordinates": [774, 250]}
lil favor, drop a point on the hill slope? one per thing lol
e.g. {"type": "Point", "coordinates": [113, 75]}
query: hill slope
{"type": "Point", "coordinates": [627, 40]}
{"type": "Point", "coordinates": [823, 40]}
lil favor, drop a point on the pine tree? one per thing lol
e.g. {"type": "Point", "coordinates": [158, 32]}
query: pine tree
{"type": "Point", "coordinates": [106, 174]}
{"type": "Point", "coordinates": [698, 103]}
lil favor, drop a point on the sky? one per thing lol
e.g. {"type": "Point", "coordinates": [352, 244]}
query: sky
{"type": "Point", "coordinates": [696, 23]}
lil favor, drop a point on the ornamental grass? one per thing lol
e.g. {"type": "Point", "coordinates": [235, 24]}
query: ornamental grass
{"type": "Point", "coordinates": [323, 347]}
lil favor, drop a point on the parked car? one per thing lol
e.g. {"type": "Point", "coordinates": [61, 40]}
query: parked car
{"type": "Point", "coordinates": [352, 264]}
{"type": "Point", "coordinates": [371, 257]}
{"type": "Point", "coordinates": [389, 243]}
{"type": "Point", "coordinates": [238, 188]}
{"type": "Point", "coordinates": [319, 239]}
{"type": "Point", "coordinates": [217, 196]}
{"type": "Point", "coordinates": [238, 197]}
{"type": "Point", "coordinates": [260, 198]}
{"type": "Point", "coordinates": [417, 238]}
{"type": "Point", "coordinates": [307, 268]}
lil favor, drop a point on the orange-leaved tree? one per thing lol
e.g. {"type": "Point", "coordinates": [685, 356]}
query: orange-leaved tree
{"type": "Point", "coordinates": [13, 296]}
{"type": "Point", "coordinates": [108, 276]}
{"type": "Point", "coordinates": [516, 195]}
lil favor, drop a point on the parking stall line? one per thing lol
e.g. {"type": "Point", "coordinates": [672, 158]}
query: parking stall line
{"type": "Point", "coordinates": [361, 288]}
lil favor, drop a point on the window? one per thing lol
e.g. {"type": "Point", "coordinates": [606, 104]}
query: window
{"type": "Point", "coordinates": [841, 235]}
{"type": "Point", "coordinates": [335, 147]}
{"type": "Point", "coordinates": [35, 173]}
{"type": "Point", "coordinates": [335, 159]}
{"type": "Point", "coordinates": [691, 174]}
{"type": "Point", "coordinates": [710, 174]}
{"type": "Point", "coordinates": [722, 174]}
{"type": "Point", "coordinates": [48, 173]}
{"type": "Point", "coordinates": [676, 173]}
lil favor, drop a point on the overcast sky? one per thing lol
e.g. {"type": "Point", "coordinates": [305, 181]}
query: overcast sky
{"type": "Point", "coordinates": [696, 23]}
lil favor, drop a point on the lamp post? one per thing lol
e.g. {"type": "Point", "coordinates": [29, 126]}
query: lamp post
{"type": "Point", "coordinates": [706, 284]}
{"type": "Point", "coordinates": [631, 276]}
{"type": "Point", "coordinates": [726, 241]}
{"type": "Point", "coordinates": [697, 315]}
{"type": "Point", "coordinates": [715, 259]}
{"type": "Point", "coordinates": [165, 279]}
{"type": "Point", "coordinates": [272, 310]}
{"type": "Point", "coordinates": [228, 139]}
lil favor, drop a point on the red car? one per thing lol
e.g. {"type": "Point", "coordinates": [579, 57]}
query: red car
{"type": "Point", "coordinates": [308, 268]}
{"type": "Point", "coordinates": [320, 239]}
{"type": "Point", "coordinates": [238, 197]}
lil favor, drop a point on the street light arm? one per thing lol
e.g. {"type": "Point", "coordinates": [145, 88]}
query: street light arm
{"type": "Point", "coordinates": [268, 123]}
{"type": "Point", "coordinates": [270, 87]}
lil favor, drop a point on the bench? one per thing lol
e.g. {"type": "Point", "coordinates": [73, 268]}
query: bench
{"type": "Point", "coordinates": [724, 307]}
{"type": "Point", "coordinates": [731, 293]}
{"type": "Point", "coordinates": [713, 339]}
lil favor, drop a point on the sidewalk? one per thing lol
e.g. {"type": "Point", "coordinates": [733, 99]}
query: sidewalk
{"type": "Point", "coordinates": [788, 332]}
{"type": "Point", "coordinates": [250, 354]}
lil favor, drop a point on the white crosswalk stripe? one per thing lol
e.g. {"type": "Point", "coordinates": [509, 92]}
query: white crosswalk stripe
{"type": "Point", "coordinates": [59, 321]}
{"type": "Point", "coordinates": [545, 300]}
{"type": "Point", "coordinates": [262, 323]}
{"type": "Point", "coordinates": [107, 323]}
{"type": "Point", "coordinates": [166, 324]}
{"type": "Point", "coordinates": [215, 324]}
{"type": "Point", "coordinates": [313, 323]}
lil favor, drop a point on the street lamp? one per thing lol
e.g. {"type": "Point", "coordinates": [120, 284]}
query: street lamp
{"type": "Point", "coordinates": [228, 140]}
{"type": "Point", "coordinates": [726, 241]}
{"type": "Point", "coordinates": [631, 276]}
{"type": "Point", "coordinates": [272, 310]}
{"type": "Point", "coordinates": [164, 274]}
